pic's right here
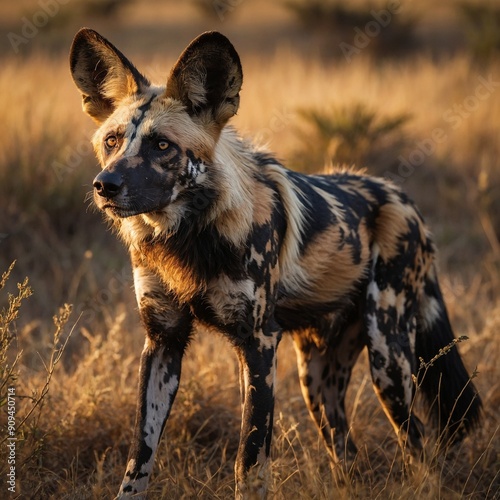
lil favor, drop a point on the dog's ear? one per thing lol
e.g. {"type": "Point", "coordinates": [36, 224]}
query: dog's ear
{"type": "Point", "coordinates": [207, 79]}
{"type": "Point", "coordinates": [102, 73]}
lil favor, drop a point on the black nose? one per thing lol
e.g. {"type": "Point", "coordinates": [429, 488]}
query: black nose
{"type": "Point", "coordinates": [108, 184]}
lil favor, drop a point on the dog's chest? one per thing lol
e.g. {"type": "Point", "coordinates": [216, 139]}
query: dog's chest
{"type": "Point", "coordinates": [193, 260]}
{"type": "Point", "coordinates": [214, 285]}
{"type": "Point", "coordinates": [226, 305]}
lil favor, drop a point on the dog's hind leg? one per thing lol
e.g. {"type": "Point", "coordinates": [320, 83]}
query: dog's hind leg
{"type": "Point", "coordinates": [391, 324]}
{"type": "Point", "coordinates": [324, 374]}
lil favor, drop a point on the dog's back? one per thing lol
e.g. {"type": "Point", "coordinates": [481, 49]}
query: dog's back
{"type": "Point", "coordinates": [364, 274]}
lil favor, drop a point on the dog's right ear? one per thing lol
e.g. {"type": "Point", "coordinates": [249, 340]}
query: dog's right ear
{"type": "Point", "coordinates": [102, 73]}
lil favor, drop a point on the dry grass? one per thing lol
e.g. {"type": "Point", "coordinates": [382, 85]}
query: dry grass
{"type": "Point", "coordinates": [76, 446]}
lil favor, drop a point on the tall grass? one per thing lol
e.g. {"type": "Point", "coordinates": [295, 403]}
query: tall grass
{"type": "Point", "coordinates": [8, 367]}
{"type": "Point", "coordinates": [22, 397]}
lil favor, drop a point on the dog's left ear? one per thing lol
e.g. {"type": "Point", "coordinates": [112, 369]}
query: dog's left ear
{"type": "Point", "coordinates": [207, 79]}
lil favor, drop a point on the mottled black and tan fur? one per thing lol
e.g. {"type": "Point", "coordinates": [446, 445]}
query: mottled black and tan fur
{"type": "Point", "coordinates": [221, 235]}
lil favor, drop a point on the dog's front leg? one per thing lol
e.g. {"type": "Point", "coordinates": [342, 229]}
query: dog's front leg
{"type": "Point", "coordinates": [168, 328]}
{"type": "Point", "coordinates": [158, 382]}
{"type": "Point", "coordinates": [257, 357]}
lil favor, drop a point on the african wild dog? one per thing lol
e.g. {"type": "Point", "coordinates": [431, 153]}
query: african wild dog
{"type": "Point", "coordinates": [222, 235]}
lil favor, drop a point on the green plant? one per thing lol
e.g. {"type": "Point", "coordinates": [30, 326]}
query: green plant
{"type": "Point", "coordinates": [378, 26]}
{"type": "Point", "coordinates": [350, 135]}
{"type": "Point", "coordinates": [327, 13]}
{"type": "Point", "coordinates": [482, 27]}
{"type": "Point", "coordinates": [104, 8]}
{"type": "Point", "coordinates": [216, 9]}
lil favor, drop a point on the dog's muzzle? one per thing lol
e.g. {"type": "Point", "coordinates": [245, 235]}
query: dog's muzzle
{"type": "Point", "coordinates": [108, 184]}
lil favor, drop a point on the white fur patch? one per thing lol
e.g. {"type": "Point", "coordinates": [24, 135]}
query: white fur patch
{"type": "Point", "coordinates": [296, 278]}
{"type": "Point", "coordinates": [431, 310]}
{"type": "Point", "coordinates": [161, 398]}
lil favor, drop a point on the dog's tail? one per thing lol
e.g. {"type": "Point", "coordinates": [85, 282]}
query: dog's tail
{"type": "Point", "coordinates": [455, 405]}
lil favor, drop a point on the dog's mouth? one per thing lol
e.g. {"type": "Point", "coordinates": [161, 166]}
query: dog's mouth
{"type": "Point", "coordinates": [121, 207]}
{"type": "Point", "coordinates": [122, 212]}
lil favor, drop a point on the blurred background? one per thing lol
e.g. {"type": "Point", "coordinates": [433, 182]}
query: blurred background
{"type": "Point", "coordinates": [408, 90]}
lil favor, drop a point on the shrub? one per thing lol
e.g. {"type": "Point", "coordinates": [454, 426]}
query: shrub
{"type": "Point", "coordinates": [482, 27]}
{"type": "Point", "coordinates": [104, 8]}
{"type": "Point", "coordinates": [347, 22]}
{"type": "Point", "coordinates": [216, 9]}
{"type": "Point", "coordinates": [350, 135]}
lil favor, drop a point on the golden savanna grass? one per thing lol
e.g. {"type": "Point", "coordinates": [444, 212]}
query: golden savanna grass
{"type": "Point", "coordinates": [75, 441]}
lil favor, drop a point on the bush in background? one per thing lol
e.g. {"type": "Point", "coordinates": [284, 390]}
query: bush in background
{"type": "Point", "coordinates": [349, 135]}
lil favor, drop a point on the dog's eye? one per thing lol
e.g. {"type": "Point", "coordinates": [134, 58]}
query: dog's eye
{"type": "Point", "coordinates": [110, 141]}
{"type": "Point", "coordinates": [163, 145]}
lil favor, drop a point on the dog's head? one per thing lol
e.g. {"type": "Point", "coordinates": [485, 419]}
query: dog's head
{"type": "Point", "coordinates": [155, 143]}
